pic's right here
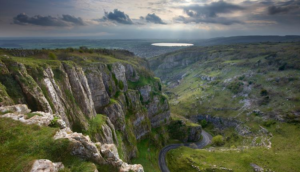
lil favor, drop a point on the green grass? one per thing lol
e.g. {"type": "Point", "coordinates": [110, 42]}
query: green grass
{"type": "Point", "coordinates": [120, 145]}
{"type": "Point", "coordinates": [187, 122]}
{"type": "Point", "coordinates": [21, 144]}
{"type": "Point", "coordinates": [148, 156]}
{"type": "Point", "coordinates": [95, 125]}
{"type": "Point", "coordinates": [30, 115]}
{"type": "Point", "coordinates": [141, 82]}
{"type": "Point", "coordinates": [283, 156]}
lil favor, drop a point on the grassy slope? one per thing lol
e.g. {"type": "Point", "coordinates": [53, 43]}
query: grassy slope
{"type": "Point", "coordinates": [257, 68]}
{"type": "Point", "coordinates": [21, 144]}
{"type": "Point", "coordinates": [258, 71]}
{"type": "Point", "coordinates": [283, 156]}
{"type": "Point", "coordinates": [148, 156]}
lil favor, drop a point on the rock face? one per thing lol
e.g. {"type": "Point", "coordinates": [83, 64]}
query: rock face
{"type": "Point", "coordinates": [120, 72]}
{"type": "Point", "coordinates": [97, 87]}
{"type": "Point", "coordinates": [218, 122]}
{"type": "Point", "coordinates": [222, 123]}
{"type": "Point", "coordinates": [33, 93]}
{"type": "Point", "coordinates": [81, 89]}
{"type": "Point", "coordinates": [116, 115]}
{"type": "Point", "coordinates": [55, 94]}
{"type": "Point", "coordinates": [158, 111]}
{"type": "Point", "coordinates": [131, 73]}
{"type": "Point", "coordinates": [44, 165]}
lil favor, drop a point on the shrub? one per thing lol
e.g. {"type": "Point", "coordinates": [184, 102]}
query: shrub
{"type": "Point", "coordinates": [203, 123]}
{"type": "Point", "coordinates": [52, 56]}
{"type": "Point", "coordinates": [236, 87]}
{"type": "Point", "coordinates": [263, 92]}
{"type": "Point", "coordinates": [54, 123]}
{"type": "Point", "coordinates": [269, 123]}
{"type": "Point", "coordinates": [282, 67]}
{"type": "Point", "coordinates": [121, 85]}
{"type": "Point", "coordinates": [177, 130]}
{"type": "Point", "coordinates": [218, 140]}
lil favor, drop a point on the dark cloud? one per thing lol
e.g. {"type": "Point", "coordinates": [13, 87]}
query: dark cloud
{"type": "Point", "coordinates": [211, 10]}
{"type": "Point", "coordinates": [209, 13]}
{"type": "Point", "coordinates": [189, 1]}
{"type": "Point", "coordinates": [118, 17]}
{"type": "Point", "coordinates": [64, 21]}
{"type": "Point", "coordinates": [72, 19]}
{"type": "Point", "coordinates": [213, 20]}
{"type": "Point", "coordinates": [153, 18]}
{"type": "Point", "coordinates": [284, 8]}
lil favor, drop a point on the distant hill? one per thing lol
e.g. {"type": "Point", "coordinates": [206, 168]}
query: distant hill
{"type": "Point", "coordinates": [247, 39]}
{"type": "Point", "coordinates": [140, 47]}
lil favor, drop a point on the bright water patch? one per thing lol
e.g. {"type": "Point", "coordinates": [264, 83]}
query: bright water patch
{"type": "Point", "coordinates": [172, 44]}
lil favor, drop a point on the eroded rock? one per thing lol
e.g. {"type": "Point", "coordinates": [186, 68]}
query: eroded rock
{"type": "Point", "coordinates": [44, 165]}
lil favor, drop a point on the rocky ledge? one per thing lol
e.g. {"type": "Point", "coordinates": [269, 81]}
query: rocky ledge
{"type": "Point", "coordinates": [82, 146]}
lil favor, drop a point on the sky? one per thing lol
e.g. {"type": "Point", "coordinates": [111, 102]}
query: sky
{"type": "Point", "coordinates": [148, 19]}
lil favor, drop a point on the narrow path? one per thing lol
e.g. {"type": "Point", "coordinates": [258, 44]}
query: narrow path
{"type": "Point", "coordinates": [206, 139]}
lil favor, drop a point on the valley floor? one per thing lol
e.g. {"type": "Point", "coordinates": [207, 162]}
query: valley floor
{"type": "Point", "coordinates": [282, 156]}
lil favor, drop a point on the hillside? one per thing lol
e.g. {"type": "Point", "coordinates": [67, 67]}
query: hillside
{"type": "Point", "coordinates": [247, 93]}
{"type": "Point", "coordinates": [108, 95]}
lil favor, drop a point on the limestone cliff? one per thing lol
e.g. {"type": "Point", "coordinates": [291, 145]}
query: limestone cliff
{"type": "Point", "coordinates": [77, 89]}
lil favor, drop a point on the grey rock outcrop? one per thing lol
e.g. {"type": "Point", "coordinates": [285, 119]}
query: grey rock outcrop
{"type": "Point", "coordinates": [83, 147]}
{"type": "Point", "coordinates": [145, 93]}
{"type": "Point", "coordinates": [256, 168]}
{"type": "Point", "coordinates": [194, 133]}
{"type": "Point", "coordinates": [21, 108]}
{"type": "Point", "coordinates": [44, 165]}
{"type": "Point", "coordinates": [20, 113]}
{"type": "Point", "coordinates": [131, 73]}
{"type": "Point", "coordinates": [218, 122]}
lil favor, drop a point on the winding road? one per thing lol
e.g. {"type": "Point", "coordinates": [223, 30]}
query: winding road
{"type": "Point", "coordinates": [206, 139]}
